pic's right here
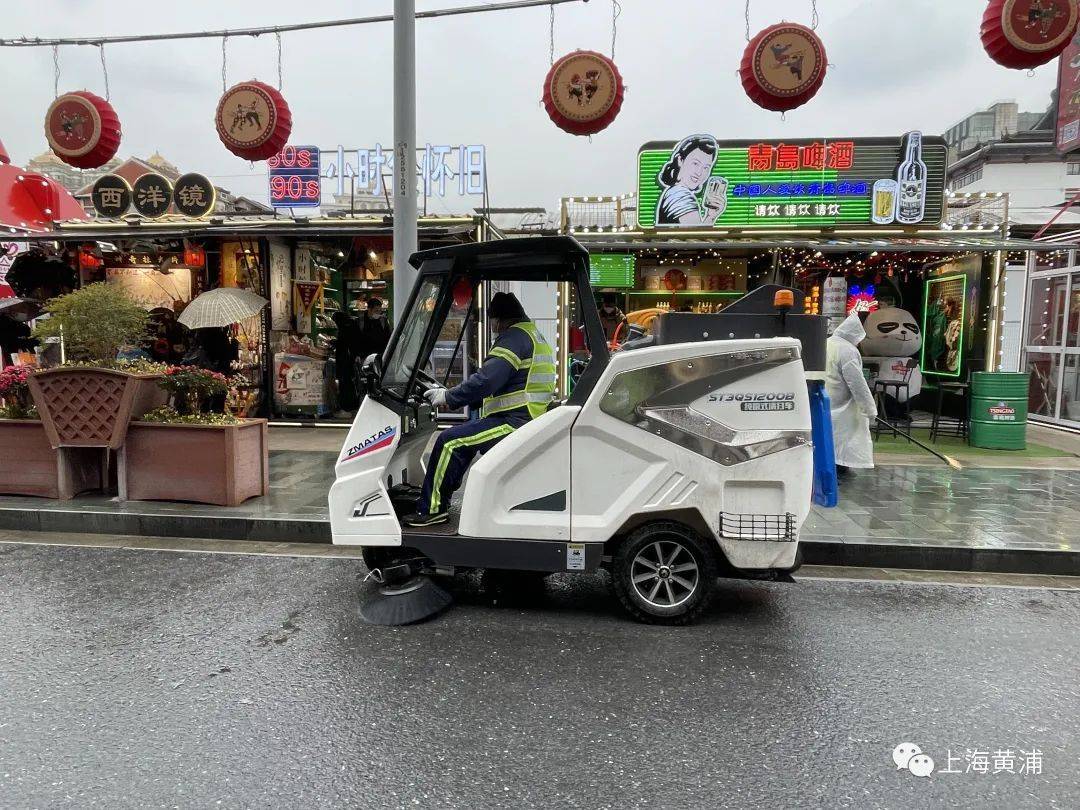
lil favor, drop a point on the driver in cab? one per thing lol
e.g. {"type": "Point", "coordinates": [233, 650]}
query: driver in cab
{"type": "Point", "coordinates": [515, 384]}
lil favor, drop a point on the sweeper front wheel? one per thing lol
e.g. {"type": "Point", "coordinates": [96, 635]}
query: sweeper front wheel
{"type": "Point", "coordinates": [664, 573]}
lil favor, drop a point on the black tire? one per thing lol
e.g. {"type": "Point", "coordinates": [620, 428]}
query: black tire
{"type": "Point", "coordinates": [671, 596]}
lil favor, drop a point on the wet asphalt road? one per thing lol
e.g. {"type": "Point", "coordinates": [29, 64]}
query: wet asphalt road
{"type": "Point", "coordinates": [147, 679]}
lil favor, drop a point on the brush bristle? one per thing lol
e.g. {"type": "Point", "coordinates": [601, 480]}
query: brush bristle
{"type": "Point", "coordinates": [394, 605]}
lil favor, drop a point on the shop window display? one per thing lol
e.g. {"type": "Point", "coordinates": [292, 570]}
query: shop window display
{"type": "Point", "coordinates": [241, 267]}
{"type": "Point", "coordinates": [338, 297]}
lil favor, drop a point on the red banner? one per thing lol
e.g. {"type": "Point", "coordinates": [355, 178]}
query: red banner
{"type": "Point", "coordinates": [308, 290]}
{"type": "Point", "coordinates": [1067, 130]}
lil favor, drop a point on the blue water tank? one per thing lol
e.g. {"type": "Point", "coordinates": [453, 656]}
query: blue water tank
{"type": "Point", "coordinates": [826, 491]}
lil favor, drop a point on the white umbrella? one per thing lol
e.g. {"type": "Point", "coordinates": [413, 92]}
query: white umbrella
{"type": "Point", "coordinates": [221, 307]}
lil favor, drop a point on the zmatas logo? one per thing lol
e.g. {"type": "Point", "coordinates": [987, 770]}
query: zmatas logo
{"type": "Point", "coordinates": [375, 441]}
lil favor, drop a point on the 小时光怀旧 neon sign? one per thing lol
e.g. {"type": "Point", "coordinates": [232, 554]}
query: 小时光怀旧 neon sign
{"type": "Point", "coordinates": [703, 182]}
{"type": "Point", "coordinates": [440, 169]}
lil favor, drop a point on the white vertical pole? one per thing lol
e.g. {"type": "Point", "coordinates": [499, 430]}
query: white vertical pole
{"type": "Point", "coordinates": [404, 150]}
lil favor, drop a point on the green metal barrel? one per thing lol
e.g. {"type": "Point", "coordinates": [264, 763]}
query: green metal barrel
{"type": "Point", "coordinates": [999, 403]}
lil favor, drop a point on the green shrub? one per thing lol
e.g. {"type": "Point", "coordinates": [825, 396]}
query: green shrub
{"type": "Point", "coordinates": [94, 322]}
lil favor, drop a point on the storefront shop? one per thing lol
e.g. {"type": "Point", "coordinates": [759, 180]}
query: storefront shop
{"type": "Point", "coordinates": [1051, 332]}
{"type": "Point", "coordinates": [857, 224]}
{"type": "Point", "coordinates": [294, 359]}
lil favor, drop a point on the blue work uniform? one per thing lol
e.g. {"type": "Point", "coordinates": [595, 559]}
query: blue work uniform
{"type": "Point", "coordinates": [515, 384]}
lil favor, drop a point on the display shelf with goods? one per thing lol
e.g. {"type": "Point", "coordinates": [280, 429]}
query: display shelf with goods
{"type": "Point", "coordinates": [315, 359]}
{"type": "Point", "coordinates": [244, 265]}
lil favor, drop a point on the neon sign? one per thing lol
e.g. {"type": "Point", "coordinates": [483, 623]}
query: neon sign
{"type": "Point", "coordinates": [766, 157]}
{"type": "Point", "coordinates": [461, 168]}
{"type": "Point", "coordinates": [294, 177]}
{"type": "Point", "coordinates": [862, 299]}
{"type": "Point", "coordinates": [702, 182]}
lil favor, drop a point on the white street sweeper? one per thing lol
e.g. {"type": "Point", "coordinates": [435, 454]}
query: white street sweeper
{"type": "Point", "coordinates": [680, 458]}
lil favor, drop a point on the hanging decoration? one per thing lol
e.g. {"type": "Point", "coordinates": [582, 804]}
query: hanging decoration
{"type": "Point", "coordinates": [253, 120]}
{"type": "Point", "coordinates": [82, 129]}
{"type": "Point", "coordinates": [1024, 34]}
{"type": "Point", "coordinates": [783, 67]}
{"type": "Point", "coordinates": [583, 92]}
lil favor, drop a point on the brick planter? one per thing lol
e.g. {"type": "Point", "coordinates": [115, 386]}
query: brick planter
{"type": "Point", "coordinates": [219, 464]}
{"type": "Point", "coordinates": [91, 407]}
{"type": "Point", "coordinates": [33, 467]}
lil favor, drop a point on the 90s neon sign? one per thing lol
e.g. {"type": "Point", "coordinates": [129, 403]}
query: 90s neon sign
{"type": "Point", "coordinates": [294, 177]}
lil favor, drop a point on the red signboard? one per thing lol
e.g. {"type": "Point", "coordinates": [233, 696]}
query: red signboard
{"type": "Point", "coordinates": [1067, 131]}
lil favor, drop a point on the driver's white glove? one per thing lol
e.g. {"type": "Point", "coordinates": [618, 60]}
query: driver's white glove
{"type": "Point", "coordinates": [436, 396]}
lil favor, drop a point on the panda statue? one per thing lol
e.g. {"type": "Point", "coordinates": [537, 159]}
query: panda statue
{"type": "Point", "coordinates": [893, 338]}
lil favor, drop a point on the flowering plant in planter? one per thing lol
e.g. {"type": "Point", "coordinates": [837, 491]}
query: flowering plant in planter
{"type": "Point", "coordinates": [15, 400]}
{"type": "Point", "coordinates": [194, 388]}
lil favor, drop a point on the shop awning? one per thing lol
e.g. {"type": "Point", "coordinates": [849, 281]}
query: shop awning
{"type": "Point", "coordinates": [959, 242]}
{"type": "Point", "coordinates": [315, 227]}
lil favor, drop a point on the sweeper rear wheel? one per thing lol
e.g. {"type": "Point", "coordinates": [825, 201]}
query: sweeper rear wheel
{"type": "Point", "coordinates": [664, 573]}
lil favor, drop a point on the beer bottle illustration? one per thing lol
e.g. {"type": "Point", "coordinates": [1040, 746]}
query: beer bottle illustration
{"type": "Point", "coordinates": [911, 179]}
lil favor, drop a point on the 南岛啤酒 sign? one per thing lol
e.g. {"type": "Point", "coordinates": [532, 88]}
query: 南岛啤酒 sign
{"type": "Point", "coordinates": [701, 182]}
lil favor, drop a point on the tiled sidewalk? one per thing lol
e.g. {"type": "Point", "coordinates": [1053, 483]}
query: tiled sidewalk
{"type": "Point", "coordinates": [974, 508]}
{"type": "Point", "coordinates": [892, 513]}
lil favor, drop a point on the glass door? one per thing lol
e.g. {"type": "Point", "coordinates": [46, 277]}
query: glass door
{"type": "Point", "coordinates": [1052, 346]}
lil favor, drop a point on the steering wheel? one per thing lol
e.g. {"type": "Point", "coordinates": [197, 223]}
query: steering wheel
{"type": "Point", "coordinates": [426, 380]}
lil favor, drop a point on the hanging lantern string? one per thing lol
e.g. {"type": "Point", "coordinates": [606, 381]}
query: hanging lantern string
{"type": "Point", "coordinates": [56, 70]}
{"type": "Point", "coordinates": [746, 14]}
{"type": "Point", "coordinates": [104, 69]}
{"type": "Point", "coordinates": [616, 10]}
{"type": "Point", "coordinates": [279, 81]}
{"type": "Point", "coordinates": [551, 34]}
{"type": "Point", "coordinates": [815, 18]}
{"type": "Point", "coordinates": [224, 86]}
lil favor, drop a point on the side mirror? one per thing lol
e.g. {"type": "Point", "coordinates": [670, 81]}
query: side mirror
{"type": "Point", "coordinates": [370, 374]}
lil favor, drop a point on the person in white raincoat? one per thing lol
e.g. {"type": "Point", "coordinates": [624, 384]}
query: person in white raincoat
{"type": "Point", "coordinates": [852, 404]}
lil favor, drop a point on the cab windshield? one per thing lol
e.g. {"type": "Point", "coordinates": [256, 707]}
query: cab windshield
{"type": "Point", "coordinates": [399, 366]}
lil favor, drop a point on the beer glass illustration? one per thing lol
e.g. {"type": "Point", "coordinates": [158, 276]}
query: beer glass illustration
{"type": "Point", "coordinates": [883, 209]}
{"type": "Point", "coordinates": [715, 197]}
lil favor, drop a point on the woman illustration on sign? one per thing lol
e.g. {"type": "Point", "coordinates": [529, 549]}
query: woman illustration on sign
{"type": "Point", "coordinates": [683, 176]}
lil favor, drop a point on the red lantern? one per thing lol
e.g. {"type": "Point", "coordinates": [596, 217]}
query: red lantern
{"type": "Point", "coordinates": [583, 92]}
{"type": "Point", "coordinates": [253, 120]}
{"type": "Point", "coordinates": [1027, 33]}
{"type": "Point", "coordinates": [194, 256]}
{"type": "Point", "coordinates": [87, 259]}
{"type": "Point", "coordinates": [82, 129]}
{"type": "Point", "coordinates": [783, 67]}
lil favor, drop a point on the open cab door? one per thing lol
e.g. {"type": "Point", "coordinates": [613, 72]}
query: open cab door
{"type": "Point", "coordinates": [518, 490]}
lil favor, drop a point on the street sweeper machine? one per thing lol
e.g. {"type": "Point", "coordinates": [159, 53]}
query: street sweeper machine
{"type": "Point", "coordinates": [680, 458]}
